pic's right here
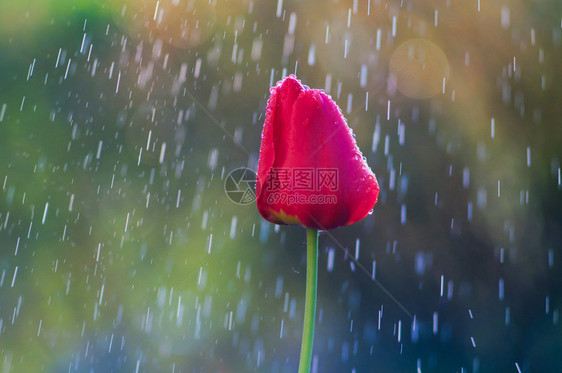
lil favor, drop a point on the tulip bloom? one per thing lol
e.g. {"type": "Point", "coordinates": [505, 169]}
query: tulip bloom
{"type": "Point", "coordinates": [310, 170]}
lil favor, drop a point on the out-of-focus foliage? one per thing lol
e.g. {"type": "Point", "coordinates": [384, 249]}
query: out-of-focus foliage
{"type": "Point", "coordinates": [119, 250]}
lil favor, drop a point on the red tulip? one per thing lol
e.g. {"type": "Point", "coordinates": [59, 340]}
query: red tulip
{"type": "Point", "coordinates": [310, 170]}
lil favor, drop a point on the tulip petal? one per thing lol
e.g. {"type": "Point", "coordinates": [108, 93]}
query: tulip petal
{"type": "Point", "coordinates": [305, 133]}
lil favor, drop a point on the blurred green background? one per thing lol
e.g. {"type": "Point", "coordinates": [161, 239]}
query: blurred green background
{"type": "Point", "coordinates": [120, 251]}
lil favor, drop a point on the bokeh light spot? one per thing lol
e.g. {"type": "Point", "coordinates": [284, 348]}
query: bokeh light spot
{"type": "Point", "coordinates": [419, 67]}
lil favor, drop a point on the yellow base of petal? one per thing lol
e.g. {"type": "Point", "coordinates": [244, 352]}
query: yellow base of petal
{"type": "Point", "coordinates": [284, 218]}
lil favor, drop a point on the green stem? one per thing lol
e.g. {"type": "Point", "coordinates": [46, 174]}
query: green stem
{"type": "Point", "coordinates": [310, 303]}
